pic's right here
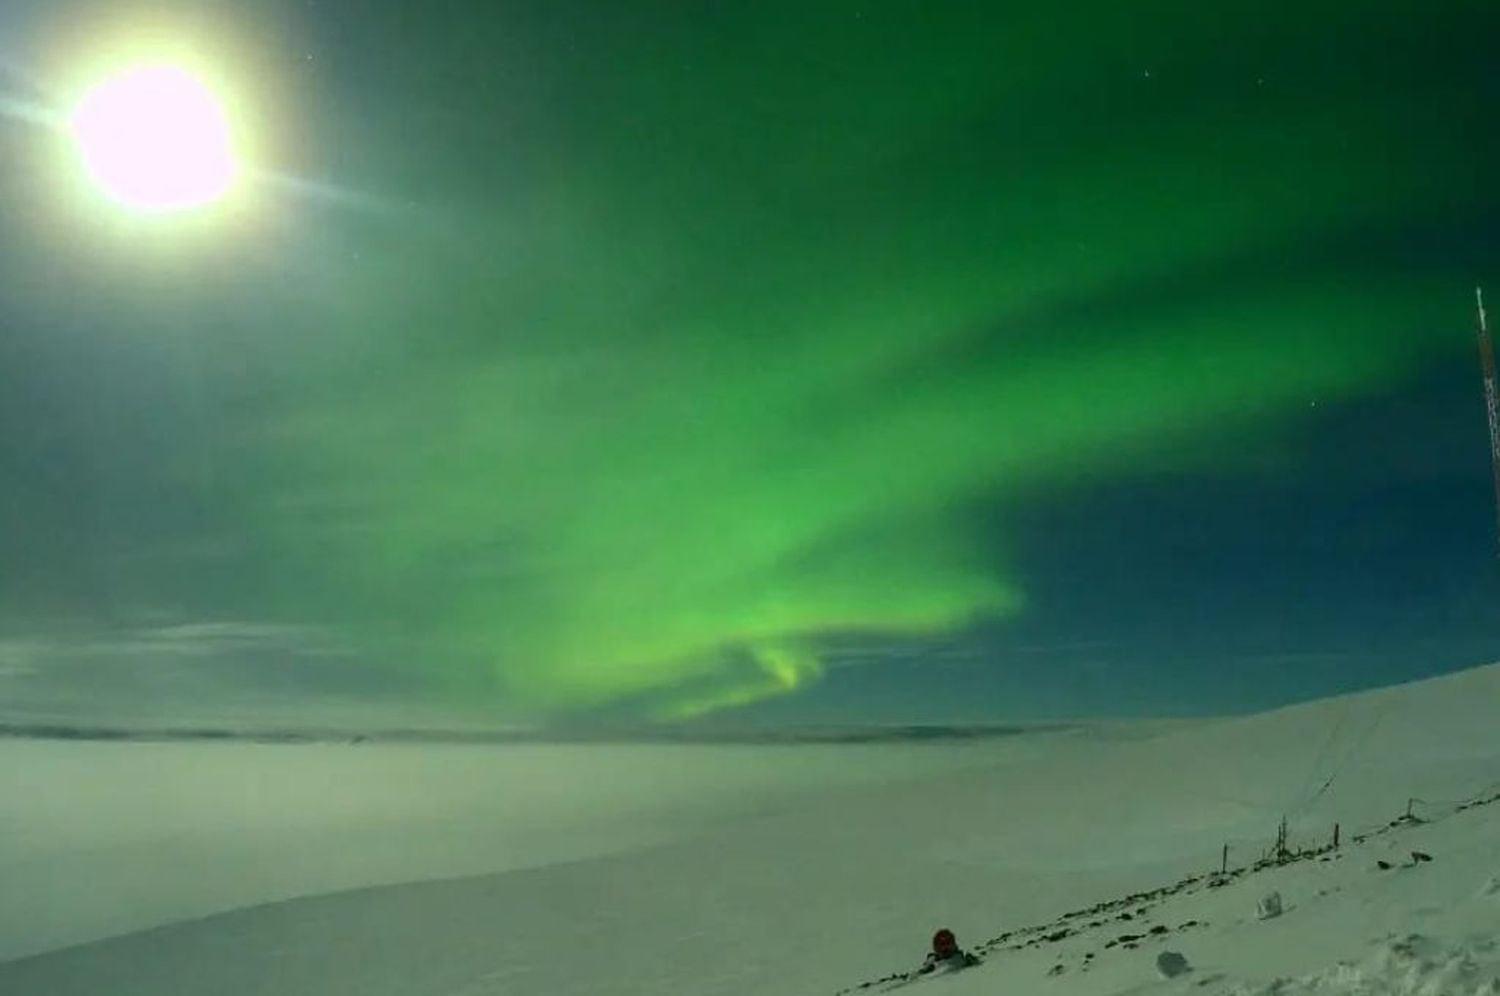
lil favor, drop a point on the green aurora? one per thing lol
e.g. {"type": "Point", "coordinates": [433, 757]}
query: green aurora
{"type": "Point", "coordinates": [687, 337]}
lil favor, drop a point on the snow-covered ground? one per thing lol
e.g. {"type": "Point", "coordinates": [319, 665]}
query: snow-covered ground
{"type": "Point", "coordinates": [99, 839]}
{"type": "Point", "coordinates": [824, 876]}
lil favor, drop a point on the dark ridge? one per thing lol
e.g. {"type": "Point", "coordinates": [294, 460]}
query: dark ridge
{"type": "Point", "coordinates": [921, 733]}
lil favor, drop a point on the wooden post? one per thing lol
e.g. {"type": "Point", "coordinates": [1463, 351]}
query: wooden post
{"type": "Point", "coordinates": [1335, 836]}
{"type": "Point", "coordinates": [1408, 807]}
{"type": "Point", "coordinates": [1224, 861]}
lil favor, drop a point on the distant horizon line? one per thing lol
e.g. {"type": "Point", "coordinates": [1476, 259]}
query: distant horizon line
{"type": "Point", "coordinates": [809, 734]}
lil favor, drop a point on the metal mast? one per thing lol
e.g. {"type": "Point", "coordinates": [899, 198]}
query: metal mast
{"type": "Point", "coordinates": [1491, 402]}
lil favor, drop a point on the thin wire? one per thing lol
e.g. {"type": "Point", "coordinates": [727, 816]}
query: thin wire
{"type": "Point", "coordinates": [1318, 760]}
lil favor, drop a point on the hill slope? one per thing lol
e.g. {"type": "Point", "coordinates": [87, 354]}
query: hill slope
{"type": "Point", "coordinates": [846, 886]}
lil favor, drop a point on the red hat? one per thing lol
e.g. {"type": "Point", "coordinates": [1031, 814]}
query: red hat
{"type": "Point", "coordinates": [943, 941]}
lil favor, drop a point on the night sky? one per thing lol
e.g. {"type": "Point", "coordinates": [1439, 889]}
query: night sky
{"type": "Point", "coordinates": [775, 362]}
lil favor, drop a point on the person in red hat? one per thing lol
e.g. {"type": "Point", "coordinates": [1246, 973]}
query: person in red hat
{"type": "Point", "coordinates": [946, 954]}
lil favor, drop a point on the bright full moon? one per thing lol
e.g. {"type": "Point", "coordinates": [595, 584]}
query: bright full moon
{"type": "Point", "coordinates": [155, 139]}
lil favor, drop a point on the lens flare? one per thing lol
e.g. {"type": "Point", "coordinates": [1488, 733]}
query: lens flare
{"type": "Point", "coordinates": [154, 138]}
